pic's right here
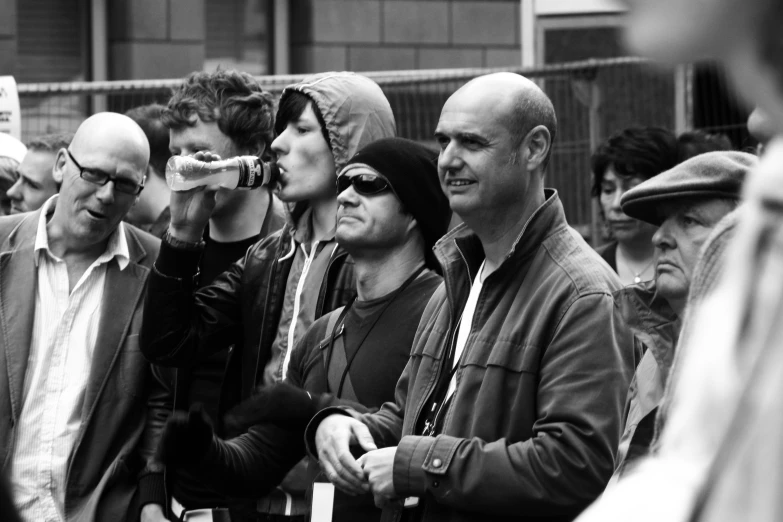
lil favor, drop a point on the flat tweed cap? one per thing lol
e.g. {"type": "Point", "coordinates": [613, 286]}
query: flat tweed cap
{"type": "Point", "coordinates": [711, 175]}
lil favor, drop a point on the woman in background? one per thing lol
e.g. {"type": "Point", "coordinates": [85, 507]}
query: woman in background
{"type": "Point", "coordinates": [619, 164]}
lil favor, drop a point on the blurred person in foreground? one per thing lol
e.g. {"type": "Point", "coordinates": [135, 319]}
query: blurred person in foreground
{"type": "Point", "coordinates": [74, 387]}
{"type": "Point", "coordinates": [622, 162]}
{"type": "Point", "coordinates": [151, 212]}
{"type": "Point", "coordinates": [227, 113]}
{"type": "Point", "coordinates": [511, 405]}
{"type": "Point", "coordinates": [718, 456]}
{"type": "Point", "coordinates": [36, 180]}
{"type": "Point", "coordinates": [12, 152]}
{"type": "Point", "coordinates": [685, 203]}
{"type": "Point", "coordinates": [391, 212]}
{"type": "Point", "coordinates": [264, 303]}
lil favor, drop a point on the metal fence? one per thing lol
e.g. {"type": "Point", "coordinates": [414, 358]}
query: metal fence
{"type": "Point", "coordinates": [592, 99]}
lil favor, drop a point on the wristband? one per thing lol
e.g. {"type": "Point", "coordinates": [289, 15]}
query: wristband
{"type": "Point", "coordinates": [185, 245]}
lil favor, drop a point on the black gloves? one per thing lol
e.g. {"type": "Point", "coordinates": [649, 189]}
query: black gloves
{"type": "Point", "coordinates": [186, 439]}
{"type": "Point", "coordinates": [281, 403]}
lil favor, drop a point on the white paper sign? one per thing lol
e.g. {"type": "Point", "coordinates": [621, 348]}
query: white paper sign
{"type": "Point", "coordinates": [323, 502]}
{"type": "Point", "coordinates": [10, 112]}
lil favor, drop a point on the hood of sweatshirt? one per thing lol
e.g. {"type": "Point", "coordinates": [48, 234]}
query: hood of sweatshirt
{"type": "Point", "coordinates": [354, 109]}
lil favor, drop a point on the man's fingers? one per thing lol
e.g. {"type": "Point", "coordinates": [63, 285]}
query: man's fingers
{"type": "Point", "coordinates": [344, 466]}
{"type": "Point", "coordinates": [363, 437]}
{"type": "Point", "coordinates": [338, 480]}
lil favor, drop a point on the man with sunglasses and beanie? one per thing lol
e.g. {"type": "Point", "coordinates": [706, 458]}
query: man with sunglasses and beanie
{"type": "Point", "coordinates": [263, 304]}
{"type": "Point", "coordinates": [391, 212]}
{"type": "Point", "coordinates": [511, 404]}
{"type": "Point", "coordinates": [74, 387]}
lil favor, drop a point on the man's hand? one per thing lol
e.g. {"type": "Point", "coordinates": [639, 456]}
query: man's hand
{"type": "Point", "coordinates": [333, 440]}
{"type": "Point", "coordinates": [191, 209]}
{"type": "Point", "coordinates": [280, 403]}
{"type": "Point", "coordinates": [153, 513]}
{"type": "Point", "coordinates": [378, 469]}
{"type": "Point", "coordinates": [186, 438]}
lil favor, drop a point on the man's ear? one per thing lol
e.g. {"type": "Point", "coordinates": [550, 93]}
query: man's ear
{"type": "Point", "coordinates": [412, 224]}
{"type": "Point", "coordinates": [59, 166]}
{"type": "Point", "coordinates": [537, 142]}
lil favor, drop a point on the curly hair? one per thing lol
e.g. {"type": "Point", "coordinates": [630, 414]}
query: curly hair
{"type": "Point", "coordinates": [639, 151]}
{"type": "Point", "coordinates": [243, 111]}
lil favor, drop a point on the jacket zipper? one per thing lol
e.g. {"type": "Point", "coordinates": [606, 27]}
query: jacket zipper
{"type": "Point", "coordinates": [272, 272]}
{"type": "Point", "coordinates": [450, 340]}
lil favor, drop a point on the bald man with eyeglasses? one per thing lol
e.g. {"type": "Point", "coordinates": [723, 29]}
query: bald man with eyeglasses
{"type": "Point", "coordinates": [73, 383]}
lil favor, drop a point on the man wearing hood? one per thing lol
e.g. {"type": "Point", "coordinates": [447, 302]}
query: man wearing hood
{"type": "Point", "coordinates": [267, 300]}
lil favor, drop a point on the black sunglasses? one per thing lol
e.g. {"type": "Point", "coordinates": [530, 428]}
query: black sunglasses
{"type": "Point", "coordinates": [364, 184]}
{"type": "Point", "coordinates": [98, 177]}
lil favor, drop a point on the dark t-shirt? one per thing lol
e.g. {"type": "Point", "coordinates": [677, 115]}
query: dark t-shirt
{"type": "Point", "coordinates": [206, 378]}
{"type": "Point", "coordinates": [383, 354]}
{"type": "Point", "coordinates": [386, 347]}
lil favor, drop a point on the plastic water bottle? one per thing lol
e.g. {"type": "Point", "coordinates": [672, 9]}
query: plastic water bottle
{"type": "Point", "coordinates": [242, 172]}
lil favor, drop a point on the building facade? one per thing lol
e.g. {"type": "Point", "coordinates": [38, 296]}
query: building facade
{"type": "Point", "coordinates": [84, 40]}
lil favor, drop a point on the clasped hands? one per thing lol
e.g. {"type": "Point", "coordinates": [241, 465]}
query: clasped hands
{"type": "Point", "coordinates": [372, 472]}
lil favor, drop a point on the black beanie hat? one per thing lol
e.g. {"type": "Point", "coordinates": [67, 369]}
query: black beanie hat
{"type": "Point", "coordinates": [412, 170]}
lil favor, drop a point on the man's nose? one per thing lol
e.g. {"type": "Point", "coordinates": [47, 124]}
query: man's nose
{"type": "Point", "coordinates": [105, 193]}
{"type": "Point", "coordinates": [279, 145]}
{"type": "Point", "coordinates": [663, 238]}
{"type": "Point", "coordinates": [449, 158]}
{"type": "Point", "coordinates": [348, 197]}
{"type": "Point", "coordinates": [15, 191]}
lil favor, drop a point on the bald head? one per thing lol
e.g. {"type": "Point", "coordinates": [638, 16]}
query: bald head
{"type": "Point", "coordinates": [516, 101]}
{"type": "Point", "coordinates": [101, 174]}
{"type": "Point", "coordinates": [115, 135]}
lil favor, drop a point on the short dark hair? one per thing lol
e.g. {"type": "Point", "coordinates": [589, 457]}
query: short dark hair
{"type": "Point", "coordinates": [641, 152]}
{"type": "Point", "coordinates": [292, 105]}
{"type": "Point", "coordinates": [233, 99]}
{"type": "Point", "coordinates": [530, 113]}
{"type": "Point", "coordinates": [695, 142]}
{"type": "Point", "coordinates": [148, 117]}
{"type": "Point", "coordinates": [50, 142]}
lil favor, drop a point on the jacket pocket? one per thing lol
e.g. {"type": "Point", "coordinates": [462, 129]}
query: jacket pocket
{"type": "Point", "coordinates": [508, 355]}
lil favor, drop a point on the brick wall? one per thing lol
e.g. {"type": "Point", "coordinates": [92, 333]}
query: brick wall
{"type": "Point", "coordinates": [374, 35]}
{"type": "Point", "coordinates": [155, 38]}
{"type": "Point", "coordinates": [7, 37]}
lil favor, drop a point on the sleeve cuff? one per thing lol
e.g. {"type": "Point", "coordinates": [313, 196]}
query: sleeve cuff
{"type": "Point", "coordinates": [312, 427]}
{"type": "Point", "coordinates": [422, 463]}
{"type": "Point", "coordinates": [152, 489]}
{"type": "Point", "coordinates": [408, 475]}
{"type": "Point", "coordinates": [177, 262]}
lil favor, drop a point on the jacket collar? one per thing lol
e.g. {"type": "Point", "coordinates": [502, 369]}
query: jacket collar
{"type": "Point", "coordinates": [462, 246]}
{"type": "Point", "coordinates": [651, 319]}
{"type": "Point", "coordinates": [116, 246]}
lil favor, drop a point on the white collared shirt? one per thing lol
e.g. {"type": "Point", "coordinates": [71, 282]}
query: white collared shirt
{"type": "Point", "coordinates": [65, 328]}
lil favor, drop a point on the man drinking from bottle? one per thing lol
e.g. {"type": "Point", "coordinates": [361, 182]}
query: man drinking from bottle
{"type": "Point", "coordinates": [265, 302]}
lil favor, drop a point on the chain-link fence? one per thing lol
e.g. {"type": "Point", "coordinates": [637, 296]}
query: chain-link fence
{"type": "Point", "coordinates": [592, 99]}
